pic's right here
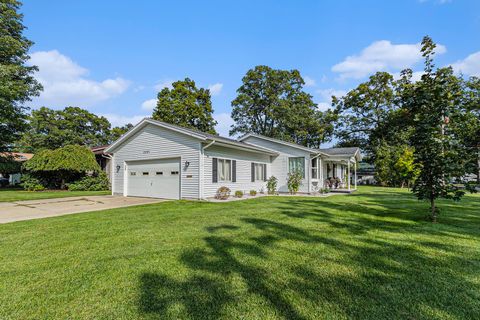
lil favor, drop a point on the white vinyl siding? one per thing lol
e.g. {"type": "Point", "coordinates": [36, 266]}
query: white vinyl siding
{"type": "Point", "coordinates": [243, 160]}
{"type": "Point", "coordinates": [153, 142]}
{"type": "Point", "coordinates": [280, 164]}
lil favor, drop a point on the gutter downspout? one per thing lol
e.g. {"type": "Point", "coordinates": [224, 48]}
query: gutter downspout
{"type": "Point", "coordinates": [201, 178]}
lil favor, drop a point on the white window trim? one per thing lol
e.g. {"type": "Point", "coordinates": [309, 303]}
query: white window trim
{"type": "Point", "coordinates": [304, 167]}
{"type": "Point", "coordinates": [218, 170]}
{"type": "Point", "coordinates": [261, 165]}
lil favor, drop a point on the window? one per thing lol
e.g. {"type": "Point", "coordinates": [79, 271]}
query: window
{"type": "Point", "coordinates": [159, 173]}
{"type": "Point", "coordinates": [224, 170]}
{"type": "Point", "coordinates": [314, 168]}
{"type": "Point", "coordinates": [297, 165]}
{"type": "Point", "coordinates": [145, 173]}
{"type": "Point", "coordinates": [133, 173]}
{"type": "Point", "coordinates": [174, 173]}
{"type": "Point", "coordinates": [258, 171]}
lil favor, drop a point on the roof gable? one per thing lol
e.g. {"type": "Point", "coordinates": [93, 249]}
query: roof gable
{"type": "Point", "coordinates": [201, 136]}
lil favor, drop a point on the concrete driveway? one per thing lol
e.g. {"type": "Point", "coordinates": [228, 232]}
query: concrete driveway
{"type": "Point", "coordinates": [36, 209]}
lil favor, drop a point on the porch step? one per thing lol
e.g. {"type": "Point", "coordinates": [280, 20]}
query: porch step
{"type": "Point", "coordinates": [342, 190]}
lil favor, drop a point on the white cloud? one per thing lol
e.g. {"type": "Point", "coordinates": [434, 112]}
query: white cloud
{"type": "Point", "coordinates": [149, 104]}
{"type": "Point", "coordinates": [215, 89]}
{"type": "Point", "coordinates": [326, 97]}
{"type": "Point", "coordinates": [119, 120]}
{"type": "Point", "coordinates": [224, 122]}
{"type": "Point", "coordinates": [66, 83]}
{"type": "Point", "coordinates": [163, 84]}
{"type": "Point", "coordinates": [324, 106]}
{"type": "Point", "coordinates": [381, 56]}
{"type": "Point", "coordinates": [469, 66]}
{"type": "Point", "coordinates": [309, 82]}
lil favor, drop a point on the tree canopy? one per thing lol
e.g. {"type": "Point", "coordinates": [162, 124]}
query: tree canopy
{"type": "Point", "coordinates": [186, 105]}
{"type": "Point", "coordinates": [272, 103]}
{"type": "Point", "coordinates": [17, 84]}
{"type": "Point", "coordinates": [51, 129]}
{"type": "Point", "coordinates": [365, 111]}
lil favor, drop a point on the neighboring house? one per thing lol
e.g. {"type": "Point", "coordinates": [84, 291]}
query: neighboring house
{"type": "Point", "coordinates": [14, 178]}
{"type": "Point", "coordinates": [103, 159]}
{"type": "Point", "coordinates": [366, 174]}
{"type": "Point", "coordinates": [157, 159]}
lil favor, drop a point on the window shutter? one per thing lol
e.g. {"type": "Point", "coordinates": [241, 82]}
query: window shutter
{"type": "Point", "coordinates": [264, 172]}
{"type": "Point", "coordinates": [253, 172]}
{"type": "Point", "coordinates": [214, 170]}
{"type": "Point", "coordinates": [234, 170]}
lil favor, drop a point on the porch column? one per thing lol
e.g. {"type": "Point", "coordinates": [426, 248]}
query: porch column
{"type": "Point", "coordinates": [355, 169]}
{"type": "Point", "coordinates": [348, 175]}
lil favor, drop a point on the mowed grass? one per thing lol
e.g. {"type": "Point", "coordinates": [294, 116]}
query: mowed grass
{"type": "Point", "coordinates": [370, 255]}
{"type": "Point", "coordinates": [16, 194]}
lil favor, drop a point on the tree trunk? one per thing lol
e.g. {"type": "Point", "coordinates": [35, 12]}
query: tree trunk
{"type": "Point", "coordinates": [433, 210]}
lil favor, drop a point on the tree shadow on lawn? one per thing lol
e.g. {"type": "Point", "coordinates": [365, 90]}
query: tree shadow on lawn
{"type": "Point", "coordinates": [396, 214]}
{"type": "Point", "coordinates": [375, 278]}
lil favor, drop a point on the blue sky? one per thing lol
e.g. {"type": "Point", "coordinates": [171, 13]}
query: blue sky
{"type": "Point", "coordinates": [112, 57]}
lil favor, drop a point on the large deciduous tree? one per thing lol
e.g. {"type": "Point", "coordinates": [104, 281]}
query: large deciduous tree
{"type": "Point", "coordinates": [433, 105]}
{"type": "Point", "coordinates": [17, 84]}
{"type": "Point", "coordinates": [51, 129]}
{"type": "Point", "coordinates": [186, 105]}
{"type": "Point", "coordinates": [364, 113]}
{"type": "Point", "coordinates": [470, 128]}
{"type": "Point", "coordinates": [272, 103]}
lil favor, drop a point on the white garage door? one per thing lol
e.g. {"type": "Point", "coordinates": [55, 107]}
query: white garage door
{"type": "Point", "coordinates": [154, 178]}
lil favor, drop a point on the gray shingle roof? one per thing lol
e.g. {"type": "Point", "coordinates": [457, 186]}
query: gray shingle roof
{"type": "Point", "coordinates": [350, 151]}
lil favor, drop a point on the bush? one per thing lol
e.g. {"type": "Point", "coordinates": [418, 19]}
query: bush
{"type": "Point", "coordinates": [253, 193]}
{"type": "Point", "coordinates": [294, 181]}
{"type": "Point", "coordinates": [30, 183]}
{"type": "Point", "coordinates": [222, 193]}
{"type": "Point", "coordinates": [238, 194]}
{"type": "Point", "coordinates": [62, 166]}
{"type": "Point", "coordinates": [90, 183]}
{"type": "Point", "coordinates": [272, 185]}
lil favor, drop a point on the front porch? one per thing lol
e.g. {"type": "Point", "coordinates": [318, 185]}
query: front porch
{"type": "Point", "coordinates": [336, 175]}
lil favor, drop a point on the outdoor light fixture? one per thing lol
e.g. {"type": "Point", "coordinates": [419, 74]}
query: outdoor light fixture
{"type": "Point", "coordinates": [187, 164]}
{"type": "Point", "coordinates": [118, 168]}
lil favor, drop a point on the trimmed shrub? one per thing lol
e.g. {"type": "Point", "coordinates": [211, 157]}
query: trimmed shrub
{"type": "Point", "coordinates": [30, 183]}
{"type": "Point", "coordinates": [91, 183]}
{"type": "Point", "coordinates": [253, 193]}
{"type": "Point", "coordinates": [238, 194]}
{"type": "Point", "coordinates": [294, 181]}
{"type": "Point", "coordinates": [222, 193]}
{"type": "Point", "coordinates": [63, 165]}
{"type": "Point", "coordinates": [272, 185]}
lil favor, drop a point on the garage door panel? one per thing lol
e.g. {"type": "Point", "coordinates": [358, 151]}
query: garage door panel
{"type": "Point", "coordinates": [154, 178]}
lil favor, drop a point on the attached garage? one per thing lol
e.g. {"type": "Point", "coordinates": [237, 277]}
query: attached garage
{"type": "Point", "coordinates": [156, 178]}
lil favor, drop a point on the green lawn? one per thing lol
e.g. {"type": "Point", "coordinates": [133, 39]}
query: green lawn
{"type": "Point", "coordinates": [14, 194]}
{"type": "Point", "coordinates": [370, 255]}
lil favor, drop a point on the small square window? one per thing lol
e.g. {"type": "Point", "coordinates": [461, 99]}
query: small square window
{"type": "Point", "coordinates": [174, 173]}
{"type": "Point", "coordinates": [145, 173]}
{"type": "Point", "coordinates": [159, 173]}
{"type": "Point", "coordinates": [133, 173]}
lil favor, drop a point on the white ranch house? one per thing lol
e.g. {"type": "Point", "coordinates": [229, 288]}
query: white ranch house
{"type": "Point", "coordinates": [161, 160]}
